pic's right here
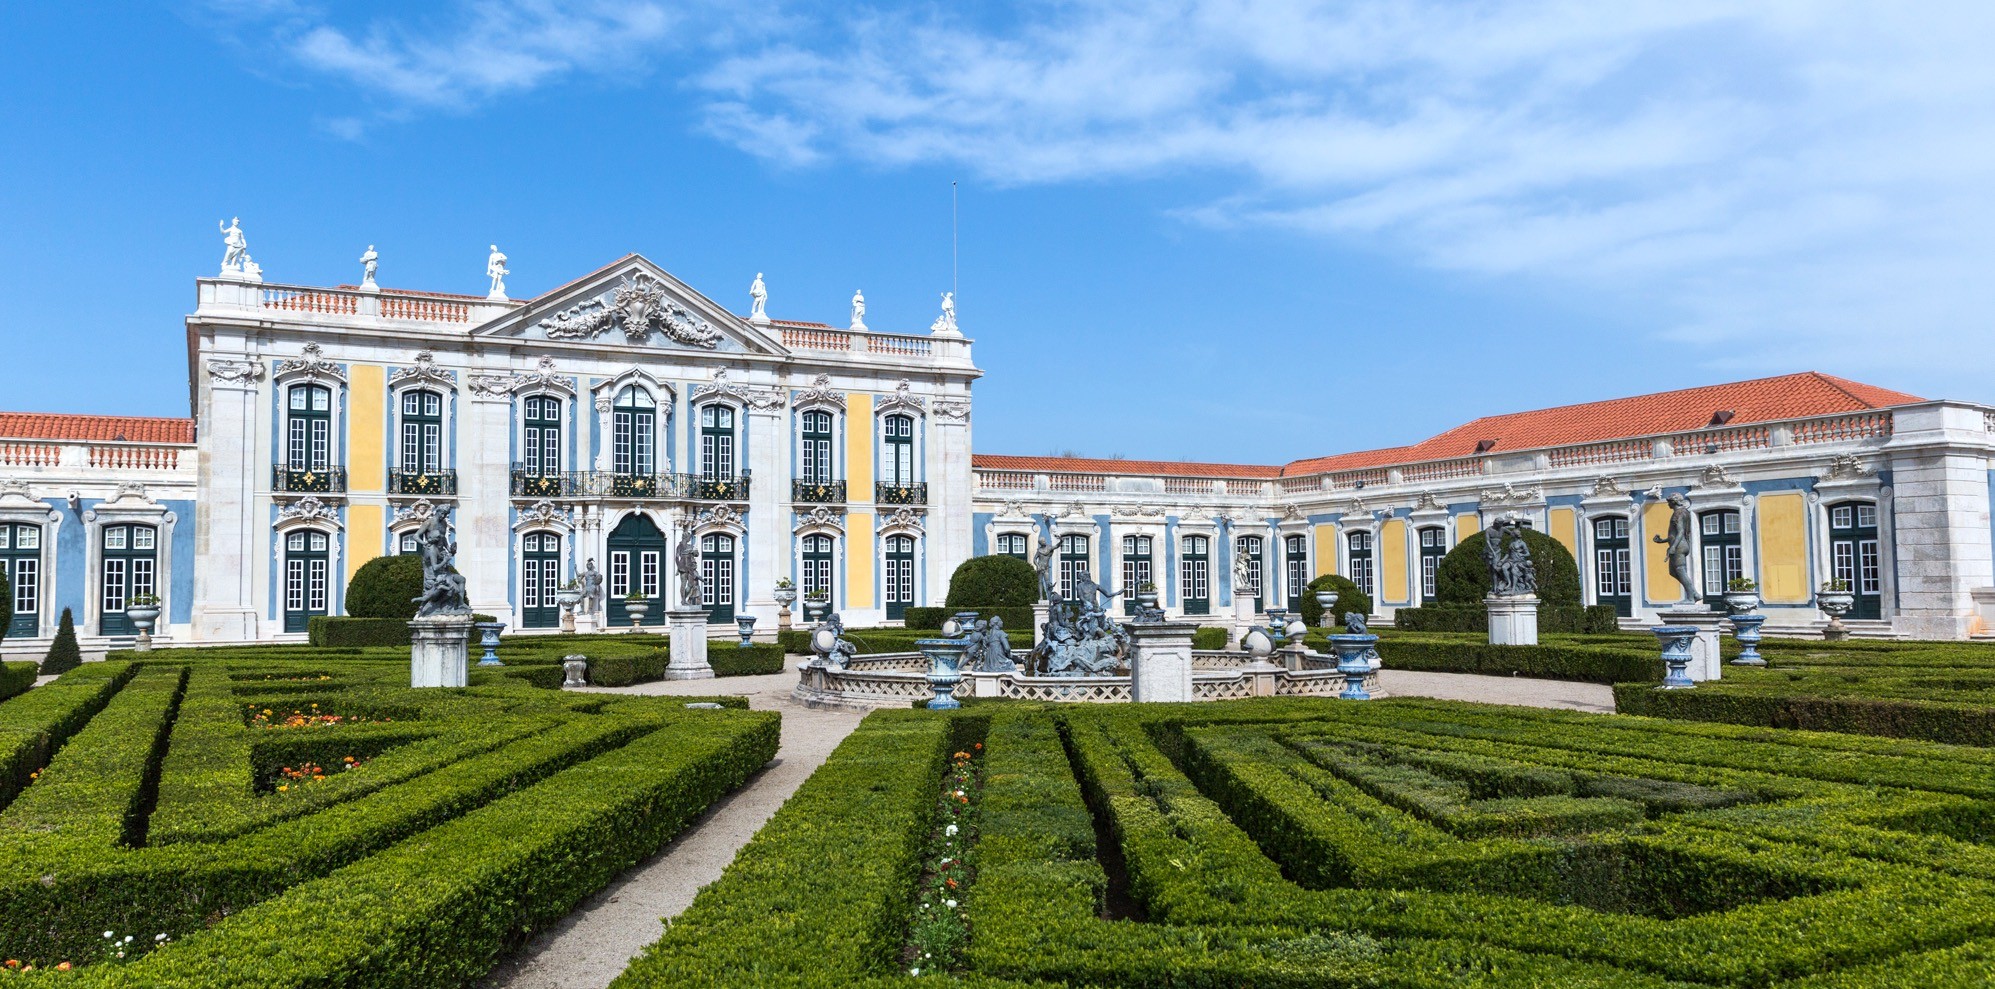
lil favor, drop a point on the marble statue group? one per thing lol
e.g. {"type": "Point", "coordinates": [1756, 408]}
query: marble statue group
{"type": "Point", "coordinates": [1511, 572]}
{"type": "Point", "coordinates": [443, 587]}
{"type": "Point", "coordinates": [1079, 639]}
{"type": "Point", "coordinates": [686, 563]}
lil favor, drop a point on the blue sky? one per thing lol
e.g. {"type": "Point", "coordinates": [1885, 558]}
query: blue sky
{"type": "Point", "coordinates": [1240, 231]}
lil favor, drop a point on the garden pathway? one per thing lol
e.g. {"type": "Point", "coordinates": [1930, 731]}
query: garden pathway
{"type": "Point", "coordinates": [592, 945]}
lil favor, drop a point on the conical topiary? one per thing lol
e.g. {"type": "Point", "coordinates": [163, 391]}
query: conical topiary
{"type": "Point", "coordinates": [63, 655]}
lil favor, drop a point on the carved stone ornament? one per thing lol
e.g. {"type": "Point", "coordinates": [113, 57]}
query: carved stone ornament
{"type": "Point", "coordinates": [820, 392]}
{"type": "Point", "coordinates": [1606, 486]}
{"type": "Point", "coordinates": [1715, 476]}
{"type": "Point", "coordinates": [130, 489]}
{"type": "Point", "coordinates": [543, 512]}
{"type": "Point", "coordinates": [1427, 503]}
{"type": "Point", "coordinates": [235, 372]}
{"type": "Point", "coordinates": [1013, 509]}
{"type": "Point", "coordinates": [754, 398]}
{"type": "Point", "coordinates": [821, 516]}
{"type": "Point", "coordinates": [903, 399]}
{"type": "Point", "coordinates": [958, 411]}
{"type": "Point", "coordinates": [602, 404]}
{"type": "Point", "coordinates": [490, 385]}
{"type": "Point", "coordinates": [1846, 467]}
{"type": "Point", "coordinates": [312, 365]}
{"type": "Point", "coordinates": [424, 372]}
{"type": "Point", "coordinates": [1074, 510]}
{"type": "Point", "coordinates": [1138, 511]}
{"type": "Point", "coordinates": [543, 376]}
{"type": "Point", "coordinates": [638, 306]}
{"type": "Point", "coordinates": [905, 518]}
{"type": "Point", "coordinates": [308, 509]}
{"type": "Point", "coordinates": [420, 511]}
{"type": "Point", "coordinates": [14, 486]}
{"type": "Point", "coordinates": [1357, 507]}
{"type": "Point", "coordinates": [1291, 511]}
{"type": "Point", "coordinates": [719, 515]}
{"type": "Point", "coordinates": [1510, 494]}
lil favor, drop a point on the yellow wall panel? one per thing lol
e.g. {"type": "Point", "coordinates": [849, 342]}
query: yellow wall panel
{"type": "Point", "coordinates": [364, 527]}
{"type": "Point", "coordinates": [859, 557]}
{"type": "Point", "coordinates": [1392, 564]}
{"type": "Point", "coordinates": [1326, 549]}
{"type": "Point", "coordinates": [367, 429]}
{"type": "Point", "coordinates": [1467, 524]}
{"type": "Point", "coordinates": [859, 447]}
{"type": "Point", "coordinates": [1783, 547]}
{"type": "Point", "coordinates": [1564, 524]}
{"type": "Point", "coordinates": [1663, 588]}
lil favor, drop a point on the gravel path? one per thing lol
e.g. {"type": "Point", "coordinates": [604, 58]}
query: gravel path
{"type": "Point", "coordinates": [592, 945]}
{"type": "Point", "coordinates": [1594, 698]}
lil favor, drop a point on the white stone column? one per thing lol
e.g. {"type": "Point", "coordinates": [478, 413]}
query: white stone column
{"type": "Point", "coordinates": [1939, 457]}
{"type": "Point", "coordinates": [1513, 619]}
{"type": "Point", "coordinates": [230, 531]}
{"type": "Point", "coordinates": [768, 513]}
{"type": "Point", "coordinates": [1160, 662]}
{"type": "Point", "coordinates": [688, 630]}
{"type": "Point", "coordinates": [484, 516]}
{"type": "Point", "coordinates": [950, 484]}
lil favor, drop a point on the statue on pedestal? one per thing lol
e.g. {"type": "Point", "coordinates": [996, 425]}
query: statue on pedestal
{"type": "Point", "coordinates": [1682, 529]}
{"type": "Point", "coordinates": [987, 649]}
{"type": "Point", "coordinates": [1243, 575]}
{"type": "Point", "coordinates": [686, 563]}
{"type": "Point", "coordinates": [496, 270]}
{"type": "Point", "coordinates": [858, 310]}
{"type": "Point", "coordinates": [591, 586]}
{"type": "Point", "coordinates": [946, 323]}
{"type": "Point", "coordinates": [1511, 572]}
{"type": "Point", "coordinates": [369, 263]}
{"type": "Point", "coordinates": [758, 300]}
{"type": "Point", "coordinates": [1042, 561]}
{"type": "Point", "coordinates": [443, 586]}
{"type": "Point", "coordinates": [235, 247]}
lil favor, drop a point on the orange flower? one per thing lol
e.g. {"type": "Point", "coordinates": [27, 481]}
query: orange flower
{"type": "Point", "coordinates": [64, 967]}
{"type": "Point", "coordinates": [951, 883]}
{"type": "Point", "coordinates": [13, 963]}
{"type": "Point", "coordinates": [980, 746]}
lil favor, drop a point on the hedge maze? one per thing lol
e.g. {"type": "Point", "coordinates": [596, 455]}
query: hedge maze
{"type": "Point", "coordinates": [264, 819]}
{"type": "Point", "coordinates": [1398, 843]}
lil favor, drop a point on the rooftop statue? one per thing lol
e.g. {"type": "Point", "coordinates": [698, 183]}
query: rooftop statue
{"type": "Point", "coordinates": [946, 323]}
{"type": "Point", "coordinates": [1681, 534]}
{"type": "Point", "coordinates": [369, 263]}
{"type": "Point", "coordinates": [496, 270]}
{"type": "Point", "coordinates": [1511, 572]}
{"type": "Point", "coordinates": [858, 310]}
{"type": "Point", "coordinates": [443, 586]}
{"type": "Point", "coordinates": [235, 247]}
{"type": "Point", "coordinates": [758, 300]}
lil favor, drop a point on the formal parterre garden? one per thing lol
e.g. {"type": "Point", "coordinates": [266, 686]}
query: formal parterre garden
{"type": "Point", "coordinates": [300, 817]}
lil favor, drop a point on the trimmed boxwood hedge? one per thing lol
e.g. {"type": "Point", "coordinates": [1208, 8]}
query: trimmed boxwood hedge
{"type": "Point", "coordinates": [992, 581]}
{"type": "Point", "coordinates": [1015, 619]}
{"type": "Point", "coordinates": [386, 587]}
{"type": "Point", "coordinates": [1608, 664]}
{"type": "Point", "coordinates": [1553, 619]}
{"type": "Point", "coordinates": [1463, 576]}
{"type": "Point", "coordinates": [338, 630]}
{"type": "Point", "coordinates": [16, 678]}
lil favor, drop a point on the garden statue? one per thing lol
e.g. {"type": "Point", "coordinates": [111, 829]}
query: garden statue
{"type": "Point", "coordinates": [443, 586]}
{"type": "Point", "coordinates": [1354, 624]}
{"type": "Point", "coordinates": [1681, 529]}
{"type": "Point", "coordinates": [235, 248]}
{"type": "Point", "coordinates": [758, 300]}
{"type": "Point", "coordinates": [1042, 561]}
{"type": "Point", "coordinates": [858, 310]}
{"type": "Point", "coordinates": [686, 563]}
{"type": "Point", "coordinates": [1243, 575]}
{"type": "Point", "coordinates": [828, 643]}
{"type": "Point", "coordinates": [945, 324]}
{"type": "Point", "coordinates": [370, 262]}
{"type": "Point", "coordinates": [1090, 594]}
{"type": "Point", "coordinates": [496, 270]}
{"type": "Point", "coordinates": [1080, 638]}
{"type": "Point", "coordinates": [988, 648]}
{"type": "Point", "coordinates": [592, 586]}
{"type": "Point", "coordinates": [1511, 572]}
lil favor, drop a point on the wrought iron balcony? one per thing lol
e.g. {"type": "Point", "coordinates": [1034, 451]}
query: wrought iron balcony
{"type": "Point", "coordinates": [609, 484]}
{"type": "Point", "coordinates": [817, 492]}
{"type": "Point", "coordinates": [900, 494]}
{"type": "Point", "coordinates": [429, 482]}
{"type": "Point", "coordinates": [314, 480]}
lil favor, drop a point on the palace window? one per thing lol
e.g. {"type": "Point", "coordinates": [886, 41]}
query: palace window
{"type": "Point", "coordinates": [308, 428]}
{"type": "Point", "coordinates": [422, 432]}
{"type": "Point", "coordinates": [1073, 562]}
{"type": "Point", "coordinates": [542, 439]}
{"type": "Point", "coordinates": [633, 431]}
{"type": "Point", "coordinates": [130, 561]}
{"type": "Point", "coordinates": [21, 564]}
{"type": "Point", "coordinates": [306, 589]}
{"type": "Point", "coordinates": [897, 456]}
{"type": "Point", "coordinates": [817, 447]}
{"type": "Point", "coordinates": [540, 578]}
{"type": "Point", "coordinates": [817, 562]}
{"type": "Point", "coordinates": [1724, 557]}
{"type": "Point", "coordinates": [717, 576]}
{"type": "Point", "coordinates": [1137, 559]}
{"type": "Point", "coordinates": [717, 443]}
{"type": "Point", "coordinates": [898, 576]}
{"type": "Point", "coordinates": [1195, 575]}
{"type": "Point", "coordinates": [1854, 556]}
{"type": "Point", "coordinates": [1361, 560]}
{"type": "Point", "coordinates": [1012, 544]}
{"type": "Point", "coordinates": [1613, 566]}
{"type": "Point", "coordinates": [1433, 548]}
{"type": "Point", "coordinates": [1295, 564]}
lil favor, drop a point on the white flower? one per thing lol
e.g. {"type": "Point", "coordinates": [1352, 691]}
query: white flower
{"type": "Point", "coordinates": [914, 971]}
{"type": "Point", "coordinates": [951, 904]}
{"type": "Point", "coordinates": [159, 937]}
{"type": "Point", "coordinates": [950, 830]}
{"type": "Point", "coordinates": [128, 939]}
{"type": "Point", "coordinates": [108, 934]}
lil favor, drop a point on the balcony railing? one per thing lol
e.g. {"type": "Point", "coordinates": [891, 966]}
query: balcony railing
{"type": "Point", "coordinates": [431, 482]}
{"type": "Point", "coordinates": [608, 484]}
{"type": "Point", "coordinates": [817, 492]}
{"type": "Point", "coordinates": [900, 494]}
{"type": "Point", "coordinates": [314, 480]}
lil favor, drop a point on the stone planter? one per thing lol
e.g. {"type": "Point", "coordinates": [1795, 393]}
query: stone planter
{"type": "Point", "coordinates": [814, 610]}
{"type": "Point", "coordinates": [1835, 604]}
{"type": "Point", "coordinates": [744, 625]}
{"type": "Point", "coordinates": [568, 598]}
{"type": "Point", "coordinates": [1352, 663]}
{"type": "Point", "coordinates": [1676, 653]}
{"type": "Point", "coordinates": [1745, 628]}
{"type": "Point", "coordinates": [945, 661]}
{"type": "Point", "coordinates": [785, 596]}
{"type": "Point", "coordinates": [636, 610]}
{"type": "Point", "coordinates": [1327, 600]}
{"type": "Point", "coordinates": [1146, 600]}
{"type": "Point", "coordinates": [1742, 602]}
{"type": "Point", "coordinates": [143, 617]}
{"type": "Point", "coordinates": [488, 639]}
{"type": "Point", "coordinates": [575, 671]}
{"type": "Point", "coordinates": [959, 623]}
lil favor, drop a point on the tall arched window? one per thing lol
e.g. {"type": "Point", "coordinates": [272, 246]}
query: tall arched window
{"type": "Point", "coordinates": [1361, 561]}
{"type": "Point", "coordinates": [717, 443]}
{"type": "Point", "coordinates": [634, 431]}
{"type": "Point", "coordinates": [308, 449]}
{"type": "Point", "coordinates": [1295, 570]}
{"type": "Point", "coordinates": [1012, 544]}
{"type": "Point", "coordinates": [817, 560]}
{"type": "Point", "coordinates": [541, 442]}
{"type": "Point", "coordinates": [1724, 556]}
{"type": "Point", "coordinates": [1250, 547]}
{"type": "Point", "coordinates": [717, 576]}
{"type": "Point", "coordinates": [1138, 561]}
{"type": "Point", "coordinates": [306, 589]}
{"type": "Point", "coordinates": [130, 561]}
{"type": "Point", "coordinates": [21, 564]}
{"type": "Point", "coordinates": [1433, 549]}
{"type": "Point", "coordinates": [540, 578]}
{"type": "Point", "coordinates": [1853, 555]}
{"type": "Point", "coordinates": [816, 447]}
{"type": "Point", "coordinates": [897, 484]}
{"type": "Point", "coordinates": [1073, 562]}
{"type": "Point", "coordinates": [1195, 578]}
{"type": "Point", "coordinates": [898, 576]}
{"type": "Point", "coordinates": [1613, 566]}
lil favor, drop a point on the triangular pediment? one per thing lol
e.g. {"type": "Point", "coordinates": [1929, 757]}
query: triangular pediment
{"type": "Point", "coordinates": [633, 303]}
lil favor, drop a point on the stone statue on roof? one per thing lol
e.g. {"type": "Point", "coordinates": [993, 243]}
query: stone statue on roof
{"type": "Point", "coordinates": [495, 269]}
{"type": "Point", "coordinates": [369, 263]}
{"type": "Point", "coordinates": [758, 300]}
{"type": "Point", "coordinates": [858, 310]}
{"type": "Point", "coordinates": [235, 247]}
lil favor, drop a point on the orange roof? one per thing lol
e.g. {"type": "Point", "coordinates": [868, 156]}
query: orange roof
{"type": "Point", "coordinates": [66, 427]}
{"type": "Point", "coordinates": [1789, 396]}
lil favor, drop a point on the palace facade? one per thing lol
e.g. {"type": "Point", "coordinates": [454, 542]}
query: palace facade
{"type": "Point", "coordinates": [597, 420]}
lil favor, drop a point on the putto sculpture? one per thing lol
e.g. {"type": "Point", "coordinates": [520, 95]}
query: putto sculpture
{"type": "Point", "coordinates": [829, 645]}
{"type": "Point", "coordinates": [1511, 572]}
{"type": "Point", "coordinates": [987, 649]}
{"type": "Point", "coordinates": [443, 586]}
{"type": "Point", "coordinates": [1681, 534]}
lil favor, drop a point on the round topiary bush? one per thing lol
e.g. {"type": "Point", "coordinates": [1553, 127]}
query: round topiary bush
{"type": "Point", "coordinates": [1463, 577]}
{"type": "Point", "coordinates": [1349, 598]}
{"type": "Point", "coordinates": [386, 587]}
{"type": "Point", "coordinates": [993, 582]}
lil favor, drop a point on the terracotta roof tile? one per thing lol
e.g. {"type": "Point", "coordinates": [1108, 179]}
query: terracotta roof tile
{"type": "Point", "coordinates": [1093, 465]}
{"type": "Point", "coordinates": [72, 428]}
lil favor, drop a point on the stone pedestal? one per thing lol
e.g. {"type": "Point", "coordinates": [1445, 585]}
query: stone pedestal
{"type": "Point", "coordinates": [575, 671]}
{"type": "Point", "coordinates": [585, 623]}
{"type": "Point", "coordinates": [1041, 614]}
{"type": "Point", "coordinates": [1160, 661]}
{"type": "Point", "coordinates": [688, 628]}
{"type": "Point", "coordinates": [1243, 621]}
{"type": "Point", "coordinates": [439, 651]}
{"type": "Point", "coordinates": [1513, 619]}
{"type": "Point", "coordinates": [1710, 625]}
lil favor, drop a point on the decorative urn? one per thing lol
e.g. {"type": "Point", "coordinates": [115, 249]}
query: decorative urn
{"type": "Point", "coordinates": [786, 595]}
{"type": "Point", "coordinates": [1742, 602]}
{"type": "Point", "coordinates": [1352, 650]}
{"type": "Point", "coordinates": [637, 610]}
{"type": "Point", "coordinates": [488, 639]}
{"type": "Point", "coordinates": [745, 625]}
{"type": "Point", "coordinates": [1327, 600]}
{"type": "Point", "coordinates": [142, 617]}
{"type": "Point", "coordinates": [1147, 599]}
{"type": "Point", "coordinates": [945, 661]}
